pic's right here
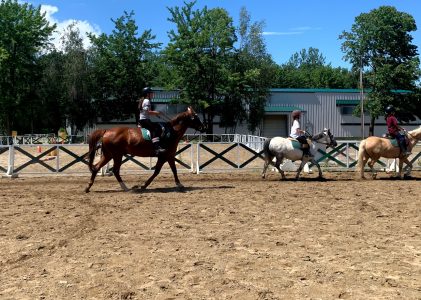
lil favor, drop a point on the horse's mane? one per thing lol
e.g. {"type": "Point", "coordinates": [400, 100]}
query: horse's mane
{"type": "Point", "coordinates": [317, 136]}
{"type": "Point", "coordinates": [416, 132]}
{"type": "Point", "coordinates": [178, 118]}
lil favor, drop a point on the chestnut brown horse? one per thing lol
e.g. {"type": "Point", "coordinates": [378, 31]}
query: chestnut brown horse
{"type": "Point", "coordinates": [375, 147]}
{"type": "Point", "coordinates": [116, 142]}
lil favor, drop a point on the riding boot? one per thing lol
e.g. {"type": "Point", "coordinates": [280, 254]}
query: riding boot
{"type": "Point", "coordinates": [404, 150]}
{"type": "Point", "coordinates": [157, 147]}
{"type": "Point", "coordinates": [306, 150]}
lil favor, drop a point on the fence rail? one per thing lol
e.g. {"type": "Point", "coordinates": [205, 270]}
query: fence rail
{"type": "Point", "coordinates": [41, 139]}
{"type": "Point", "coordinates": [198, 154]}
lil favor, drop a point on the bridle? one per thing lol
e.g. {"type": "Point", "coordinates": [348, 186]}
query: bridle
{"type": "Point", "coordinates": [321, 135]}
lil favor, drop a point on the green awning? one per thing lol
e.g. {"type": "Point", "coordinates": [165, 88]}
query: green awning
{"type": "Point", "coordinates": [340, 102]}
{"type": "Point", "coordinates": [274, 108]}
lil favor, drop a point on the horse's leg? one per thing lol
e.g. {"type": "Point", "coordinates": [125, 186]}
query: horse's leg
{"type": "Point", "coordinates": [364, 161]}
{"type": "Point", "coordinates": [371, 165]}
{"type": "Point", "coordinates": [171, 162]}
{"type": "Point", "coordinates": [268, 159]}
{"type": "Point", "coordinates": [409, 167]}
{"type": "Point", "coordinates": [116, 170]}
{"type": "Point", "coordinates": [300, 168]}
{"type": "Point", "coordinates": [105, 158]}
{"type": "Point", "coordinates": [158, 167]}
{"type": "Point", "coordinates": [314, 162]}
{"type": "Point", "coordinates": [278, 162]}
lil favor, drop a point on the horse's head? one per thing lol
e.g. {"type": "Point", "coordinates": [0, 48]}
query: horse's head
{"type": "Point", "coordinates": [325, 137]}
{"type": "Point", "coordinates": [193, 120]}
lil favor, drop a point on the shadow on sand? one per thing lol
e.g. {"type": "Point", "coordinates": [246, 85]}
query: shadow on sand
{"type": "Point", "coordinates": [180, 190]}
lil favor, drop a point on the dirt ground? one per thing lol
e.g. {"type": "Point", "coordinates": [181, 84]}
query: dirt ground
{"type": "Point", "coordinates": [226, 236]}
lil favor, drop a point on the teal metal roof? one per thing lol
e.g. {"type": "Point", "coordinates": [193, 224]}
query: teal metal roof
{"type": "Point", "coordinates": [164, 100]}
{"type": "Point", "coordinates": [277, 90]}
{"type": "Point", "coordinates": [274, 108]}
{"type": "Point", "coordinates": [347, 102]}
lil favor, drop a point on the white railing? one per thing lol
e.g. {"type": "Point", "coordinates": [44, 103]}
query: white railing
{"type": "Point", "coordinates": [216, 152]}
{"type": "Point", "coordinates": [43, 139]}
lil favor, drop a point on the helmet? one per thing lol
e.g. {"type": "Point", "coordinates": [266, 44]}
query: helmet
{"type": "Point", "coordinates": [390, 109]}
{"type": "Point", "coordinates": [296, 113]}
{"type": "Point", "coordinates": [146, 91]}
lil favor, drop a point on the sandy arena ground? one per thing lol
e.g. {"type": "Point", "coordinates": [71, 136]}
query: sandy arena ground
{"type": "Point", "coordinates": [226, 236]}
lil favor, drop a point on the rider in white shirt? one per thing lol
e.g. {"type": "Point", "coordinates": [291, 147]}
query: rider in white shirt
{"type": "Point", "coordinates": [299, 134]}
{"type": "Point", "coordinates": [145, 114]}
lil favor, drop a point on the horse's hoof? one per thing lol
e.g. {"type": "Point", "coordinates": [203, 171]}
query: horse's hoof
{"type": "Point", "coordinates": [86, 190]}
{"type": "Point", "coordinates": [134, 191]}
{"type": "Point", "coordinates": [407, 176]}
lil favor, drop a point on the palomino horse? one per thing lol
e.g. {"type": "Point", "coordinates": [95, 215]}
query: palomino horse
{"type": "Point", "coordinates": [281, 148]}
{"type": "Point", "coordinates": [375, 147]}
{"type": "Point", "coordinates": [118, 141]}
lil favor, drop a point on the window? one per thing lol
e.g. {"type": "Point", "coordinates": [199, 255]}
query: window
{"type": "Point", "coordinates": [347, 109]}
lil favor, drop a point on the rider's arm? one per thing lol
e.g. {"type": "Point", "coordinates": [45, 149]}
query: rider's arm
{"type": "Point", "coordinates": [154, 112]}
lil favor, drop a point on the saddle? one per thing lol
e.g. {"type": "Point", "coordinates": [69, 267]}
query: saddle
{"type": "Point", "coordinates": [394, 141]}
{"type": "Point", "coordinates": [166, 132]}
{"type": "Point", "coordinates": [296, 143]}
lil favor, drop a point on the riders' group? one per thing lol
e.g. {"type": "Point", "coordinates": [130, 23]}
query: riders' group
{"type": "Point", "coordinates": [394, 131]}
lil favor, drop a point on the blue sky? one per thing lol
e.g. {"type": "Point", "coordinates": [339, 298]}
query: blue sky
{"type": "Point", "coordinates": [289, 25]}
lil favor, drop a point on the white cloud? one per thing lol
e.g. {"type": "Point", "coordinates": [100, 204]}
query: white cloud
{"type": "Point", "coordinates": [281, 33]}
{"type": "Point", "coordinates": [292, 31]}
{"type": "Point", "coordinates": [83, 26]}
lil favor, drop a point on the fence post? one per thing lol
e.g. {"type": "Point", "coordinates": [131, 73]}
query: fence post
{"type": "Point", "coordinates": [11, 163]}
{"type": "Point", "coordinates": [197, 158]}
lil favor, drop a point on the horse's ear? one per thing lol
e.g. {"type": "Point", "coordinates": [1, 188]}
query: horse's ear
{"type": "Point", "coordinates": [191, 110]}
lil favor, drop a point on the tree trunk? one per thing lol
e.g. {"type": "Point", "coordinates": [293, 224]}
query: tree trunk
{"type": "Point", "coordinates": [209, 124]}
{"type": "Point", "coordinates": [371, 128]}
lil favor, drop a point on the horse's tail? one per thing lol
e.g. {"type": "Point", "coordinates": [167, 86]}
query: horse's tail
{"type": "Point", "coordinates": [361, 155]}
{"type": "Point", "coordinates": [93, 141]}
{"type": "Point", "coordinates": [266, 151]}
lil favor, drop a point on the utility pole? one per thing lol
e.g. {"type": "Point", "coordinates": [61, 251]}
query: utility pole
{"type": "Point", "coordinates": [362, 99]}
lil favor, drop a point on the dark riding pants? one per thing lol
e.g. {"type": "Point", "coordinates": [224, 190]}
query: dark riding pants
{"type": "Point", "coordinates": [401, 141]}
{"type": "Point", "coordinates": [154, 128]}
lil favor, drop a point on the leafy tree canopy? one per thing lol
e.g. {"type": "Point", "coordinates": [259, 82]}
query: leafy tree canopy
{"type": "Point", "coordinates": [24, 32]}
{"type": "Point", "coordinates": [380, 43]}
{"type": "Point", "coordinates": [121, 67]}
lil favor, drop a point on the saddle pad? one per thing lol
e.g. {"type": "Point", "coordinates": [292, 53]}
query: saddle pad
{"type": "Point", "coordinates": [146, 134]}
{"type": "Point", "coordinates": [295, 144]}
{"type": "Point", "coordinates": [394, 142]}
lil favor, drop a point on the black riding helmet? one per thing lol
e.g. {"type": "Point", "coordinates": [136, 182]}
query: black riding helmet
{"type": "Point", "coordinates": [389, 109]}
{"type": "Point", "coordinates": [146, 90]}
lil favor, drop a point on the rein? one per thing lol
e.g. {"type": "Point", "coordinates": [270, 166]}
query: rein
{"type": "Point", "coordinates": [319, 136]}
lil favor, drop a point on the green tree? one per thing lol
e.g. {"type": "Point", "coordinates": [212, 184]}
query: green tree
{"type": "Point", "coordinates": [380, 43]}
{"type": "Point", "coordinates": [76, 80]}
{"type": "Point", "coordinates": [24, 32]}
{"type": "Point", "coordinates": [121, 68]}
{"type": "Point", "coordinates": [252, 73]}
{"type": "Point", "coordinates": [51, 91]}
{"type": "Point", "coordinates": [199, 52]}
{"type": "Point", "coordinates": [308, 69]}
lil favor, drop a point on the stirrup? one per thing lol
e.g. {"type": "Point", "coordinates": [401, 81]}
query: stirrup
{"type": "Point", "coordinates": [406, 153]}
{"type": "Point", "coordinates": [159, 151]}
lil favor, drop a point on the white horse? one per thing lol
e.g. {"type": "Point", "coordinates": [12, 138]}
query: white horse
{"type": "Point", "coordinates": [281, 148]}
